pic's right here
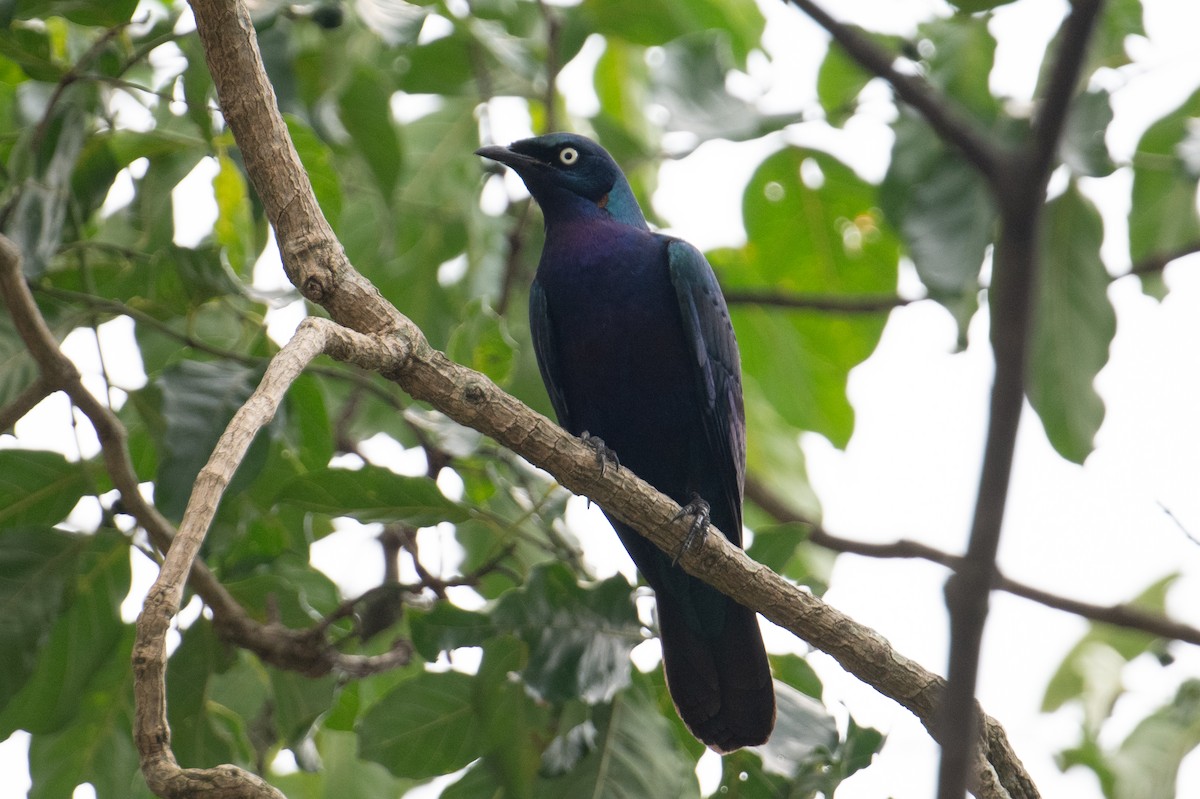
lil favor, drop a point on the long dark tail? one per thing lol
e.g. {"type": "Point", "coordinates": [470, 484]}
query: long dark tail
{"type": "Point", "coordinates": [721, 685]}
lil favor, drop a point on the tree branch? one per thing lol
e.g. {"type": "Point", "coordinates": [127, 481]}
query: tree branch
{"type": "Point", "coordinates": [831, 303]}
{"type": "Point", "coordinates": [951, 123]}
{"type": "Point", "coordinates": [1120, 615]}
{"type": "Point", "coordinates": [1020, 194]}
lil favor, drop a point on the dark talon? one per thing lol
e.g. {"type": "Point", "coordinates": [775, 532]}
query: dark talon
{"type": "Point", "coordinates": [603, 453]}
{"type": "Point", "coordinates": [699, 509]}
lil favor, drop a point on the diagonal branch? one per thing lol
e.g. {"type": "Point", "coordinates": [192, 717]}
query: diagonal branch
{"type": "Point", "coordinates": [950, 122]}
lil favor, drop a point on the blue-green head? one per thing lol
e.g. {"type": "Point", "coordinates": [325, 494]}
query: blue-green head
{"type": "Point", "coordinates": [571, 177]}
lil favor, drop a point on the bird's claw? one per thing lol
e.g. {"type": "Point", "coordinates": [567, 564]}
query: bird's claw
{"type": "Point", "coordinates": [700, 512]}
{"type": "Point", "coordinates": [604, 454]}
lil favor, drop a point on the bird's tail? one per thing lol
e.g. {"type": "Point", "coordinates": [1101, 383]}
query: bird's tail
{"type": "Point", "coordinates": [721, 684]}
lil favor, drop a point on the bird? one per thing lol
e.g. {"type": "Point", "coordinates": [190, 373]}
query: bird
{"type": "Point", "coordinates": [637, 351]}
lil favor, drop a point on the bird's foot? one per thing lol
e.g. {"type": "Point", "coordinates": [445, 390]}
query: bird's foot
{"type": "Point", "coordinates": [604, 454]}
{"type": "Point", "coordinates": [700, 512]}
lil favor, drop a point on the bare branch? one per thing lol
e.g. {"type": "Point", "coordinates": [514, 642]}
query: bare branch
{"type": "Point", "coordinates": [1020, 193]}
{"type": "Point", "coordinates": [1120, 615]}
{"type": "Point", "coordinates": [831, 303]}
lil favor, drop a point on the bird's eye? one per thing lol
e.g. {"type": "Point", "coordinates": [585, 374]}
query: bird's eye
{"type": "Point", "coordinates": [568, 155]}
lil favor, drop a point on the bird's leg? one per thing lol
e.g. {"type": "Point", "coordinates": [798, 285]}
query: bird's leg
{"type": "Point", "coordinates": [604, 454]}
{"type": "Point", "coordinates": [700, 511]}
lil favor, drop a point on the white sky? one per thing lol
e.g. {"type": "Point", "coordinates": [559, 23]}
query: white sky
{"type": "Point", "coordinates": [1094, 532]}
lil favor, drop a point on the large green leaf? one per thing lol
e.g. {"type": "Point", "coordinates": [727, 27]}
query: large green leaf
{"type": "Point", "coordinates": [627, 750]}
{"type": "Point", "coordinates": [813, 227]}
{"type": "Point", "coordinates": [1166, 172]}
{"type": "Point", "coordinates": [579, 638]}
{"type": "Point", "coordinates": [197, 738]}
{"type": "Point", "coordinates": [1090, 671]}
{"type": "Point", "coordinates": [959, 61]}
{"type": "Point", "coordinates": [199, 398]}
{"type": "Point", "coordinates": [80, 643]}
{"type": "Point", "coordinates": [97, 745]}
{"type": "Point", "coordinates": [1147, 763]}
{"type": "Point", "coordinates": [38, 487]}
{"type": "Point", "coordinates": [1074, 323]}
{"type": "Point", "coordinates": [36, 220]}
{"type": "Point", "coordinates": [365, 112]}
{"type": "Point", "coordinates": [1084, 147]}
{"type": "Point", "coordinates": [941, 206]}
{"type": "Point", "coordinates": [36, 566]}
{"type": "Point", "coordinates": [372, 494]}
{"type": "Point", "coordinates": [425, 727]}
{"type": "Point", "coordinates": [656, 22]}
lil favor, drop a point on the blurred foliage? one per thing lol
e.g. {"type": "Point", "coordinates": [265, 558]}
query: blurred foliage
{"type": "Point", "coordinates": [106, 107]}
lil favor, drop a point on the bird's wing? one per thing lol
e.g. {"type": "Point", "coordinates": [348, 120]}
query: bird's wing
{"type": "Point", "coordinates": [544, 345]}
{"type": "Point", "coordinates": [718, 370]}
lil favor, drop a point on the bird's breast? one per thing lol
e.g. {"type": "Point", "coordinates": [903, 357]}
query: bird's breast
{"type": "Point", "coordinates": [624, 361]}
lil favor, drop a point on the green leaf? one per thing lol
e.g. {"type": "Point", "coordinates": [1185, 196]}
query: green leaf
{"type": "Point", "coordinates": [804, 731]}
{"type": "Point", "coordinates": [199, 398]}
{"type": "Point", "coordinates": [813, 226]}
{"type": "Point", "coordinates": [38, 487]}
{"type": "Point", "coordinates": [196, 739]}
{"type": "Point", "coordinates": [960, 61]}
{"type": "Point", "coordinates": [17, 368]}
{"type": "Point", "coordinates": [424, 727]}
{"type": "Point", "coordinates": [1084, 148]}
{"type": "Point", "coordinates": [942, 208]}
{"type": "Point", "coordinates": [973, 6]}
{"type": "Point", "coordinates": [80, 643]}
{"type": "Point", "coordinates": [372, 494]}
{"type": "Point", "coordinates": [234, 228]}
{"type": "Point", "coordinates": [579, 638]}
{"type": "Point", "coordinates": [293, 592]}
{"type": "Point", "coordinates": [1147, 763]}
{"type": "Point", "coordinates": [36, 566]}
{"type": "Point", "coordinates": [365, 112]}
{"type": "Point", "coordinates": [840, 79]}
{"type": "Point", "coordinates": [630, 751]}
{"type": "Point", "coordinates": [81, 12]}
{"type": "Point", "coordinates": [299, 701]}
{"type": "Point", "coordinates": [1166, 172]}
{"type": "Point", "coordinates": [483, 343]}
{"type": "Point", "coordinates": [445, 627]}
{"type": "Point", "coordinates": [657, 22]}
{"type": "Point", "coordinates": [1073, 325]}
{"type": "Point", "coordinates": [796, 672]}
{"type": "Point", "coordinates": [343, 775]}
{"type": "Point", "coordinates": [97, 746]}
{"type": "Point", "coordinates": [35, 222]}
{"type": "Point", "coordinates": [690, 85]}
{"type": "Point", "coordinates": [1087, 672]}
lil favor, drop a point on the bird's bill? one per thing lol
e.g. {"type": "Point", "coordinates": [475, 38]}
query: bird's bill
{"type": "Point", "coordinates": [508, 157]}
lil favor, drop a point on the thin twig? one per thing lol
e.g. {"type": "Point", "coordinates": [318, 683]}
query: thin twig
{"type": "Point", "coordinates": [830, 303]}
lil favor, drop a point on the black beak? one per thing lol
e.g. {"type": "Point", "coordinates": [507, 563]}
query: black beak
{"type": "Point", "coordinates": [508, 157]}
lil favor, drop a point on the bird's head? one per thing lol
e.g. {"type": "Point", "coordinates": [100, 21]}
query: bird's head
{"type": "Point", "coordinates": [570, 176]}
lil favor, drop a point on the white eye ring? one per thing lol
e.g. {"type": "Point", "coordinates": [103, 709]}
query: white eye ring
{"type": "Point", "coordinates": [568, 156]}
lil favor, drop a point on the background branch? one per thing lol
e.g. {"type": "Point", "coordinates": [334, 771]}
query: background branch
{"type": "Point", "coordinates": [1020, 195]}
